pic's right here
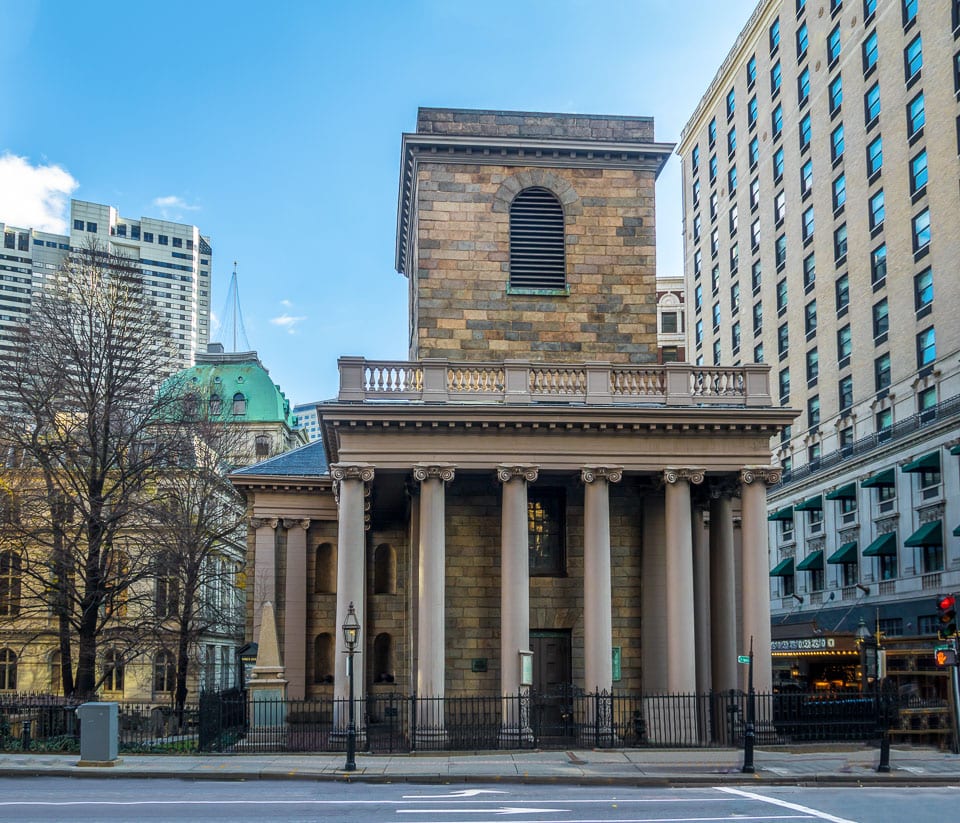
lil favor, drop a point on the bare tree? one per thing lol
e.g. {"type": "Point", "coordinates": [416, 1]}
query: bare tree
{"type": "Point", "coordinates": [79, 422]}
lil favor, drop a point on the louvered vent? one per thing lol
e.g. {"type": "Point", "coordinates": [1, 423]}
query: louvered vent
{"type": "Point", "coordinates": [536, 241]}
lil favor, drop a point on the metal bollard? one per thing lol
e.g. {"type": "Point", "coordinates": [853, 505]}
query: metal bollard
{"type": "Point", "coordinates": [25, 736]}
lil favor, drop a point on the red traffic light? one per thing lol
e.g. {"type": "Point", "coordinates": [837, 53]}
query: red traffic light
{"type": "Point", "coordinates": [947, 603]}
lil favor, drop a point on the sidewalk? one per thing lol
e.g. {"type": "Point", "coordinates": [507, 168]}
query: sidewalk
{"type": "Point", "coordinates": [850, 766]}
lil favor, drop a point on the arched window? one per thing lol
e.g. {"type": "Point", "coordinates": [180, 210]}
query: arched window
{"type": "Point", "coordinates": [112, 671]}
{"type": "Point", "coordinates": [8, 670]}
{"type": "Point", "coordinates": [537, 253]}
{"type": "Point", "coordinates": [383, 658]}
{"type": "Point", "coordinates": [9, 584]}
{"type": "Point", "coordinates": [384, 569]}
{"type": "Point", "coordinates": [239, 404]}
{"type": "Point", "coordinates": [164, 672]}
{"type": "Point", "coordinates": [323, 658]}
{"type": "Point", "coordinates": [262, 445]}
{"type": "Point", "coordinates": [191, 406]}
{"type": "Point", "coordinates": [325, 570]}
{"type": "Point", "coordinates": [215, 406]}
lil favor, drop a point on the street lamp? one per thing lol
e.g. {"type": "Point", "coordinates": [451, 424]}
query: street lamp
{"type": "Point", "coordinates": [867, 653]}
{"type": "Point", "coordinates": [351, 633]}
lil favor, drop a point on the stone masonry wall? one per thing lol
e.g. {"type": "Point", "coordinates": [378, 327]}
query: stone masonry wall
{"type": "Point", "coordinates": [480, 123]}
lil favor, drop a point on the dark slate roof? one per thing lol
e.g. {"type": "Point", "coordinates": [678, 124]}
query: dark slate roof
{"type": "Point", "coordinates": [306, 461]}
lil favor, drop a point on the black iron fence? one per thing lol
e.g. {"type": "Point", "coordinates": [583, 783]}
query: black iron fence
{"type": "Point", "coordinates": [239, 722]}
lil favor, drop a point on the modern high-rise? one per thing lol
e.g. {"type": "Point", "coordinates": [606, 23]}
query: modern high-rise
{"type": "Point", "coordinates": [175, 260]}
{"type": "Point", "coordinates": [821, 203]}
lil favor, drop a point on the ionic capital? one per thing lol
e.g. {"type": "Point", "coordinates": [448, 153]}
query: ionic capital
{"type": "Point", "coordinates": [690, 474]}
{"type": "Point", "coordinates": [612, 474]}
{"type": "Point", "coordinates": [432, 471]}
{"type": "Point", "coordinates": [293, 522]}
{"type": "Point", "coordinates": [507, 473]}
{"type": "Point", "coordinates": [351, 471]}
{"type": "Point", "coordinates": [260, 522]}
{"type": "Point", "coordinates": [769, 475]}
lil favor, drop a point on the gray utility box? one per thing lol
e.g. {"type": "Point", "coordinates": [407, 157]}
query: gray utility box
{"type": "Point", "coordinates": [99, 731]}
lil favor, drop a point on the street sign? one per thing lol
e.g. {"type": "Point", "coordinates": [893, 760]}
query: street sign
{"type": "Point", "coordinates": [743, 658]}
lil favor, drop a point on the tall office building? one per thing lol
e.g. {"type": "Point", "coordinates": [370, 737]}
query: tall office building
{"type": "Point", "coordinates": [820, 176]}
{"type": "Point", "coordinates": [174, 257]}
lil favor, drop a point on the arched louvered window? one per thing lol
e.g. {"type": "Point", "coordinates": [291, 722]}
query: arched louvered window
{"type": "Point", "coordinates": [537, 259]}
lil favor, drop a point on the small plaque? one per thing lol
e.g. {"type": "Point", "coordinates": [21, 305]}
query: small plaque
{"type": "Point", "coordinates": [478, 664]}
{"type": "Point", "coordinates": [616, 664]}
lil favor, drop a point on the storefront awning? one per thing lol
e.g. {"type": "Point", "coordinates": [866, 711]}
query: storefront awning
{"type": "Point", "coordinates": [955, 449]}
{"type": "Point", "coordinates": [813, 562]}
{"type": "Point", "coordinates": [785, 513]}
{"type": "Point", "coordinates": [956, 532]}
{"type": "Point", "coordinates": [811, 504]}
{"type": "Point", "coordinates": [848, 492]}
{"type": "Point", "coordinates": [888, 477]}
{"type": "Point", "coordinates": [783, 569]}
{"type": "Point", "coordinates": [884, 546]}
{"type": "Point", "coordinates": [927, 463]}
{"type": "Point", "coordinates": [929, 534]}
{"type": "Point", "coordinates": [845, 555]}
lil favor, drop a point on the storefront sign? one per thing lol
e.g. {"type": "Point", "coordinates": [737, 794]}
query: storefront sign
{"type": "Point", "coordinates": [803, 644]}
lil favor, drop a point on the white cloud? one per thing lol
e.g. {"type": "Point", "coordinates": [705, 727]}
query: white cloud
{"type": "Point", "coordinates": [287, 322]}
{"type": "Point", "coordinates": [34, 197]}
{"type": "Point", "coordinates": [172, 207]}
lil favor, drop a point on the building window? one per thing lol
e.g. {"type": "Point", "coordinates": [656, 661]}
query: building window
{"type": "Point", "coordinates": [714, 242]}
{"type": "Point", "coordinates": [8, 670]}
{"type": "Point", "coordinates": [840, 244]}
{"type": "Point", "coordinates": [775, 35]}
{"type": "Point", "coordinates": [836, 143]}
{"type": "Point", "coordinates": [10, 583]}
{"type": "Point", "coordinates": [784, 381]}
{"type": "Point", "coordinates": [91, 227]}
{"type": "Point", "coordinates": [696, 192]}
{"type": "Point", "coordinates": [712, 132]}
{"type": "Point", "coordinates": [162, 239]}
{"type": "Point", "coordinates": [732, 140]}
{"type": "Point", "coordinates": [877, 210]}
{"type": "Point", "coordinates": [325, 569]}
{"type": "Point", "coordinates": [881, 318]}
{"type": "Point", "coordinates": [833, 46]}
{"type": "Point", "coordinates": [695, 159]}
{"type": "Point", "coordinates": [777, 120]}
{"type": "Point", "coordinates": [881, 372]}
{"type": "Point", "coordinates": [842, 288]}
{"type": "Point", "coordinates": [778, 165]}
{"type": "Point", "coordinates": [874, 156]}
{"type": "Point", "coordinates": [731, 103]}
{"type": "Point", "coordinates": [803, 86]}
{"type": "Point", "coordinates": [148, 237]}
{"type": "Point", "coordinates": [716, 316]}
{"type": "Point", "coordinates": [383, 658]}
{"type": "Point", "coordinates": [909, 11]}
{"type": "Point", "coordinates": [921, 230]}
{"type": "Point", "coordinates": [112, 671]}
{"type": "Point", "coordinates": [926, 347]}
{"type": "Point", "coordinates": [167, 594]}
{"type": "Point", "coordinates": [537, 256]}
{"type": "Point", "coordinates": [839, 191]}
{"type": "Point", "coordinates": [802, 41]}
{"type": "Point", "coordinates": [810, 317]}
{"type": "Point", "coordinates": [755, 234]}
{"type": "Point", "coordinates": [164, 672]}
{"type": "Point", "coordinates": [751, 71]}
{"type": "Point", "coordinates": [713, 168]}
{"type": "Point", "coordinates": [215, 405]}
{"type": "Point", "coordinates": [869, 52]}
{"type": "Point", "coordinates": [783, 340]}
{"type": "Point", "coordinates": [805, 131]}
{"type": "Point", "coordinates": [813, 368]}
{"type": "Point", "coordinates": [734, 297]}
{"type": "Point", "coordinates": [882, 422]}
{"type": "Point", "coordinates": [697, 262]}
{"type": "Point", "coordinates": [545, 524]}
{"type": "Point", "coordinates": [781, 296]}
{"type": "Point", "coordinates": [923, 289]}
{"type": "Point", "coordinates": [714, 200]}
{"type": "Point", "coordinates": [845, 392]}
{"type": "Point", "coordinates": [698, 297]}
{"type": "Point", "coordinates": [754, 152]}
{"type": "Point", "coordinates": [916, 116]}
{"type": "Point", "coordinates": [735, 336]}
{"type": "Point", "coordinates": [668, 322]}
{"type": "Point", "coordinates": [239, 404]}
{"type": "Point", "coordinates": [871, 104]}
{"type": "Point", "coordinates": [732, 179]}
{"type": "Point", "coordinates": [756, 276]}
{"type": "Point", "coordinates": [918, 172]}
{"type": "Point", "coordinates": [716, 352]}
{"type": "Point", "coordinates": [670, 354]}
{"type": "Point", "coordinates": [836, 94]}
{"type": "Point", "coordinates": [878, 264]}
{"type": "Point", "coordinates": [752, 111]}
{"type": "Point", "coordinates": [757, 318]}
{"type": "Point", "coordinates": [781, 251]}
{"type": "Point", "coordinates": [806, 178]}
{"type": "Point", "coordinates": [927, 400]}
{"type": "Point", "coordinates": [758, 353]}
{"type": "Point", "coordinates": [77, 225]}
{"type": "Point", "coordinates": [809, 271]}
{"type": "Point", "coordinates": [698, 332]}
{"type": "Point", "coordinates": [813, 411]}
{"type": "Point", "coordinates": [913, 58]}
{"type": "Point", "coordinates": [844, 343]}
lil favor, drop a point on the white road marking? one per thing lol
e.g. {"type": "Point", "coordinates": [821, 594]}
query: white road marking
{"type": "Point", "coordinates": [501, 810]}
{"type": "Point", "coordinates": [786, 805]}
{"type": "Point", "coordinates": [461, 793]}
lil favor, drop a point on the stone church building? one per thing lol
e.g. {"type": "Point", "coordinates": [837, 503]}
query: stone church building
{"type": "Point", "coordinates": [530, 499]}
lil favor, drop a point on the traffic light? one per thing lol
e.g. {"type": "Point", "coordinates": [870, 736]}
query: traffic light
{"type": "Point", "coordinates": [947, 612]}
{"type": "Point", "coordinates": [945, 656]}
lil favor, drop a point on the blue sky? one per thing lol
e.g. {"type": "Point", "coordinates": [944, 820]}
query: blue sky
{"type": "Point", "coordinates": [275, 127]}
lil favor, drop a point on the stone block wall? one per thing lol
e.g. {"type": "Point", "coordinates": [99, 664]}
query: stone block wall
{"type": "Point", "coordinates": [490, 123]}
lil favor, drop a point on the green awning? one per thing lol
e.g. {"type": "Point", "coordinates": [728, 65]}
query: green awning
{"type": "Point", "coordinates": [929, 534]}
{"type": "Point", "coordinates": [845, 555]}
{"type": "Point", "coordinates": [956, 532]}
{"type": "Point", "coordinates": [927, 463]}
{"type": "Point", "coordinates": [783, 569]}
{"type": "Point", "coordinates": [813, 562]}
{"type": "Point", "coordinates": [848, 492]}
{"type": "Point", "coordinates": [888, 477]}
{"type": "Point", "coordinates": [811, 504]}
{"type": "Point", "coordinates": [955, 449]}
{"type": "Point", "coordinates": [884, 546]}
{"type": "Point", "coordinates": [785, 513]}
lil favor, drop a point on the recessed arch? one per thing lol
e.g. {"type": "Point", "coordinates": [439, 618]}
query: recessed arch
{"type": "Point", "coordinates": [384, 569]}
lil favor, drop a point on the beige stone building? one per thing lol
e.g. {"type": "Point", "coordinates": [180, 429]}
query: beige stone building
{"type": "Point", "coordinates": [532, 479]}
{"type": "Point", "coordinates": [820, 210]}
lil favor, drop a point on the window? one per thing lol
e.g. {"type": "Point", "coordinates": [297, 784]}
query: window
{"type": "Point", "coordinates": [8, 670]}
{"type": "Point", "coordinates": [877, 210]}
{"type": "Point", "coordinates": [916, 116]}
{"type": "Point", "coordinates": [695, 159]}
{"type": "Point", "coordinates": [871, 104]}
{"type": "Point", "coordinates": [262, 446]}
{"type": "Point", "coordinates": [927, 399]}
{"type": "Point", "coordinates": [732, 179]}
{"type": "Point", "coordinates": [537, 257]}
{"type": "Point", "coordinates": [732, 140]}
{"type": "Point", "coordinates": [239, 404]}
{"type": "Point", "coordinates": [716, 316]}
{"type": "Point", "coordinates": [869, 8]}
{"type": "Point", "coordinates": [781, 296]}
{"type": "Point", "coordinates": [869, 52]}
{"type": "Point", "coordinates": [754, 193]}
{"type": "Point", "coordinates": [780, 251]}
{"type": "Point", "coordinates": [802, 41]}
{"type": "Point", "coordinates": [878, 264]}
{"type": "Point", "coordinates": [755, 234]}
{"type": "Point", "coordinates": [9, 239]}
{"type": "Point", "coordinates": [10, 582]}
{"type": "Point", "coordinates": [809, 270]}
{"type": "Point", "coordinates": [881, 372]}
{"type": "Point", "coordinates": [112, 671]}
{"type": "Point", "coordinates": [751, 71]}
{"type": "Point", "coordinates": [921, 231]}
{"type": "Point", "coordinates": [783, 340]}
{"type": "Point", "coordinates": [805, 131]}
{"type": "Point", "coordinates": [778, 165]}
{"type": "Point", "coordinates": [162, 239]}
{"type": "Point", "coordinates": [752, 112]}
{"type": "Point", "coordinates": [842, 289]}
{"type": "Point", "coordinates": [845, 392]}
{"type": "Point", "coordinates": [883, 421]}
{"type": "Point", "coordinates": [839, 191]}
{"type": "Point", "coordinates": [777, 120]}
{"type": "Point", "coordinates": [844, 343]}
{"type": "Point", "coordinates": [716, 352]}
{"type": "Point", "coordinates": [325, 569]}
{"type": "Point", "coordinates": [810, 317]}
{"type": "Point", "coordinates": [881, 318]}
{"type": "Point", "coordinates": [846, 443]}
{"type": "Point", "coordinates": [715, 279]}
{"type": "Point", "coordinates": [776, 79]}
{"type": "Point", "coordinates": [833, 45]}
{"type": "Point", "coordinates": [836, 94]}
{"type": "Point", "coordinates": [167, 594]}
{"type": "Point", "coordinates": [78, 225]}
{"type": "Point", "coordinates": [874, 156]}
{"type": "Point", "coordinates": [813, 411]}
{"type": "Point", "coordinates": [735, 336]}
{"type": "Point", "coordinates": [696, 227]}
{"type": "Point", "coordinates": [840, 243]}
{"type": "Point", "coordinates": [714, 199]}
{"type": "Point", "coordinates": [801, 5]}
{"type": "Point", "coordinates": [135, 235]}
{"type": "Point", "coordinates": [91, 227]}
{"type": "Point", "coordinates": [922, 290]}
{"type": "Point", "coordinates": [698, 297]}
{"type": "Point", "coordinates": [758, 353]}
{"type": "Point", "coordinates": [757, 318]}
{"type": "Point", "coordinates": [148, 237]}
{"type": "Point", "coordinates": [756, 276]}
{"type": "Point", "coordinates": [734, 297]}
{"type": "Point", "coordinates": [545, 532]}
{"type": "Point", "coordinates": [836, 143]}
{"type": "Point", "coordinates": [779, 207]}
{"type": "Point", "coordinates": [712, 132]}
{"type": "Point", "coordinates": [813, 368]}
{"type": "Point", "coordinates": [784, 381]}
{"type": "Point", "coordinates": [164, 672]}
{"type": "Point", "coordinates": [714, 241]}
{"type": "Point", "coordinates": [731, 103]}
{"type": "Point", "coordinates": [668, 322]}
{"type": "Point", "coordinates": [813, 457]}
{"type": "Point", "coordinates": [926, 347]}
{"type": "Point", "coordinates": [754, 152]}
{"type": "Point", "coordinates": [918, 172]}
{"type": "Point", "coordinates": [713, 168]}
{"type": "Point", "coordinates": [775, 35]}
{"type": "Point", "coordinates": [698, 331]}
{"type": "Point", "coordinates": [913, 59]}
{"type": "Point", "coordinates": [177, 243]}
{"type": "Point", "coordinates": [808, 224]}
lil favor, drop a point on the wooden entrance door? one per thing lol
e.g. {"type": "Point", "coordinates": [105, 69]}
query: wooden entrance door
{"type": "Point", "coordinates": [552, 686]}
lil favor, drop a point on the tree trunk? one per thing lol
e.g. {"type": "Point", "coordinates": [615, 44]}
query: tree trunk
{"type": "Point", "coordinates": [183, 651]}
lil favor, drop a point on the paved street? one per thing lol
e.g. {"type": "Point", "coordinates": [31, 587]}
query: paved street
{"type": "Point", "coordinates": [58, 799]}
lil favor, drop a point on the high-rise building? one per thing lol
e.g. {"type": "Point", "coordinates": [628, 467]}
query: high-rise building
{"type": "Point", "coordinates": [174, 257]}
{"type": "Point", "coordinates": [820, 209]}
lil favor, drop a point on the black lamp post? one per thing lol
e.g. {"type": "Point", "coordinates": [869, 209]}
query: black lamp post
{"type": "Point", "coordinates": [351, 633]}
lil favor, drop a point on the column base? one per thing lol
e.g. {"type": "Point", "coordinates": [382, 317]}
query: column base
{"type": "Point", "coordinates": [430, 739]}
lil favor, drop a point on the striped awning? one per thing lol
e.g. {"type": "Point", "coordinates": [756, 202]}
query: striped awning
{"type": "Point", "coordinates": [884, 546]}
{"type": "Point", "coordinates": [783, 569]}
{"type": "Point", "coordinates": [929, 534]}
{"type": "Point", "coordinates": [845, 555]}
{"type": "Point", "coordinates": [811, 504]}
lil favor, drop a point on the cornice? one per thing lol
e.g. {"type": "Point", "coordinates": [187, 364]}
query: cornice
{"type": "Point", "coordinates": [286, 484]}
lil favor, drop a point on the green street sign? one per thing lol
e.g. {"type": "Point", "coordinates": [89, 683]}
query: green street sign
{"type": "Point", "coordinates": [743, 658]}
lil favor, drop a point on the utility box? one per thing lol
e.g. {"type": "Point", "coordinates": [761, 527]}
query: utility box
{"type": "Point", "coordinates": [99, 732]}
